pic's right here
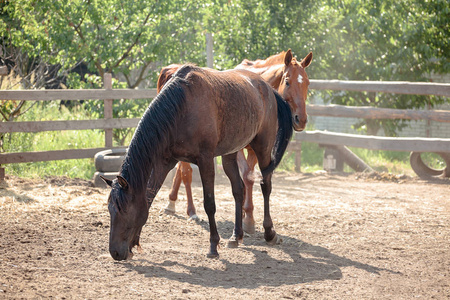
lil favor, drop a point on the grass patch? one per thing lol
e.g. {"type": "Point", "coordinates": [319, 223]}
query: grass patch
{"type": "Point", "coordinates": [53, 140]}
{"type": "Point", "coordinates": [384, 161]}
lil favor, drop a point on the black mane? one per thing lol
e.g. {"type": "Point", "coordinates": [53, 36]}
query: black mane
{"type": "Point", "coordinates": [186, 69]}
{"type": "Point", "coordinates": [154, 134]}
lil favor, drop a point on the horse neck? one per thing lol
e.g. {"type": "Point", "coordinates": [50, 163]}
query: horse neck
{"type": "Point", "coordinates": [148, 179]}
{"type": "Point", "coordinates": [154, 135]}
{"type": "Point", "coordinates": [156, 179]}
{"type": "Point", "coordinates": [273, 75]}
{"type": "Point", "coordinates": [136, 169]}
{"type": "Point", "coordinates": [270, 61]}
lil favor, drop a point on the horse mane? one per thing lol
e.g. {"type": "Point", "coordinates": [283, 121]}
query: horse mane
{"type": "Point", "coordinates": [154, 134]}
{"type": "Point", "coordinates": [275, 59]}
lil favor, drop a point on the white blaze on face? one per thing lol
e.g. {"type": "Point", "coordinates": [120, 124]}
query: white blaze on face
{"type": "Point", "coordinates": [300, 79]}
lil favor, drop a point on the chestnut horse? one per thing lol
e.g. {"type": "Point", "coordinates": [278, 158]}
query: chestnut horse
{"type": "Point", "coordinates": [199, 114]}
{"type": "Point", "coordinates": [285, 74]}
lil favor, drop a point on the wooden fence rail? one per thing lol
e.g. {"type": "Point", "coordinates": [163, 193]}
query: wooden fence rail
{"type": "Point", "coordinates": [313, 110]}
{"type": "Point", "coordinates": [363, 112]}
{"type": "Point", "coordinates": [375, 142]}
{"type": "Point", "coordinates": [366, 112]}
{"type": "Point", "coordinates": [393, 87]}
{"type": "Point", "coordinates": [95, 94]}
{"type": "Point", "coordinates": [108, 123]}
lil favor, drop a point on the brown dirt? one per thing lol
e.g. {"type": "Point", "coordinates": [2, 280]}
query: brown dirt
{"type": "Point", "coordinates": [344, 237]}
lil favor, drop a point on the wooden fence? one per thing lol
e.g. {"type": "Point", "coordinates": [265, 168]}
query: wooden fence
{"type": "Point", "coordinates": [108, 123]}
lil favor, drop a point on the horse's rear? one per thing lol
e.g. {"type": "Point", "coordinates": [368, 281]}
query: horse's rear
{"type": "Point", "coordinates": [165, 75]}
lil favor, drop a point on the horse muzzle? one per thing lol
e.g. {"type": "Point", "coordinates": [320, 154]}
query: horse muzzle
{"type": "Point", "coordinates": [120, 252]}
{"type": "Point", "coordinates": [298, 123]}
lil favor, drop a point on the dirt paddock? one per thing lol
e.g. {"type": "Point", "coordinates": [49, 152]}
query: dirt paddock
{"type": "Point", "coordinates": [344, 237]}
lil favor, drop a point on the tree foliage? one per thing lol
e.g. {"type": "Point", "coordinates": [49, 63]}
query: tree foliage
{"type": "Point", "coordinates": [108, 35]}
{"type": "Point", "coordinates": [383, 40]}
{"type": "Point", "coordinates": [351, 40]}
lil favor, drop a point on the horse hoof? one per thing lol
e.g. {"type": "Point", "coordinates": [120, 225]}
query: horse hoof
{"type": "Point", "coordinates": [212, 255]}
{"type": "Point", "coordinates": [275, 241]}
{"type": "Point", "coordinates": [232, 244]}
{"type": "Point", "coordinates": [168, 211]}
{"type": "Point", "coordinates": [248, 228]}
{"type": "Point", "coordinates": [234, 241]}
{"type": "Point", "coordinates": [170, 208]}
{"type": "Point", "coordinates": [194, 217]}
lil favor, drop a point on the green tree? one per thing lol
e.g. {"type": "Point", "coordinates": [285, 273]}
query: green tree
{"type": "Point", "coordinates": [107, 35]}
{"type": "Point", "coordinates": [257, 29]}
{"type": "Point", "coordinates": [350, 39]}
{"type": "Point", "coordinates": [386, 40]}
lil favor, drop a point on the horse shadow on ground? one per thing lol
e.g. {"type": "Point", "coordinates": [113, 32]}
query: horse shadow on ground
{"type": "Point", "coordinates": [305, 263]}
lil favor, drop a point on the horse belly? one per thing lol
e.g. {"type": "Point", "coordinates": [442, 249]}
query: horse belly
{"type": "Point", "coordinates": [239, 127]}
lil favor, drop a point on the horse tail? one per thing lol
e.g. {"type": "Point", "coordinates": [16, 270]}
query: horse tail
{"type": "Point", "coordinates": [284, 134]}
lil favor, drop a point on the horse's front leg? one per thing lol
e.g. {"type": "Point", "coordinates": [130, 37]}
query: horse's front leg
{"type": "Point", "coordinates": [231, 169]}
{"type": "Point", "coordinates": [269, 233]}
{"type": "Point", "coordinates": [206, 168]}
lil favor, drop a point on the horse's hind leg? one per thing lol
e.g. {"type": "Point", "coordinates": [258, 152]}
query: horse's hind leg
{"type": "Point", "coordinates": [269, 233]}
{"type": "Point", "coordinates": [231, 169]}
{"type": "Point", "coordinates": [186, 175]}
{"type": "Point", "coordinates": [206, 168]}
{"type": "Point", "coordinates": [247, 166]}
{"type": "Point", "coordinates": [182, 173]}
{"type": "Point", "coordinates": [173, 195]}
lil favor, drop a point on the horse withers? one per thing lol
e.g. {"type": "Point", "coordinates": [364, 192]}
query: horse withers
{"type": "Point", "coordinates": [199, 114]}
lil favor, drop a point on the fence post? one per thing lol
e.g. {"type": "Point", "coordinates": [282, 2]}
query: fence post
{"type": "Point", "coordinates": [108, 109]}
{"type": "Point", "coordinates": [3, 72]}
{"type": "Point", "coordinates": [298, 159]}
{"type": "Point", "coordinates": [209, 50]}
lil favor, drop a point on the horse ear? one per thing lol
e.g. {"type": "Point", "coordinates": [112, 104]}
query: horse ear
{"type": "Point", "coordinates": [307, 60]}
{"type": "Point", "coordinates": [288, 57]}
{"type": "Point", "coordinates": [122, 182]}
{"type": "Point", "coordinates": [106, 180]}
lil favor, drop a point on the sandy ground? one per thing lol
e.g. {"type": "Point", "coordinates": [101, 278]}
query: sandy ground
{"type": "Point", "coordinates": [345, 236]}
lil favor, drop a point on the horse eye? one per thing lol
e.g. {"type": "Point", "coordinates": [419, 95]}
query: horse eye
{"type": "Point", "coordinates": [287, 82]}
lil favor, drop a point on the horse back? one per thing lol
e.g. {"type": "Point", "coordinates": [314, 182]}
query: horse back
{"type": "Point", "coordinates": [226, 110]}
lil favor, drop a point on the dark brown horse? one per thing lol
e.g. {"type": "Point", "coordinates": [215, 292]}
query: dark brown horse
{"type": "Point", "coordinates": [199, 114]}
{"type": "Point", "coordinates": [284, 73]}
